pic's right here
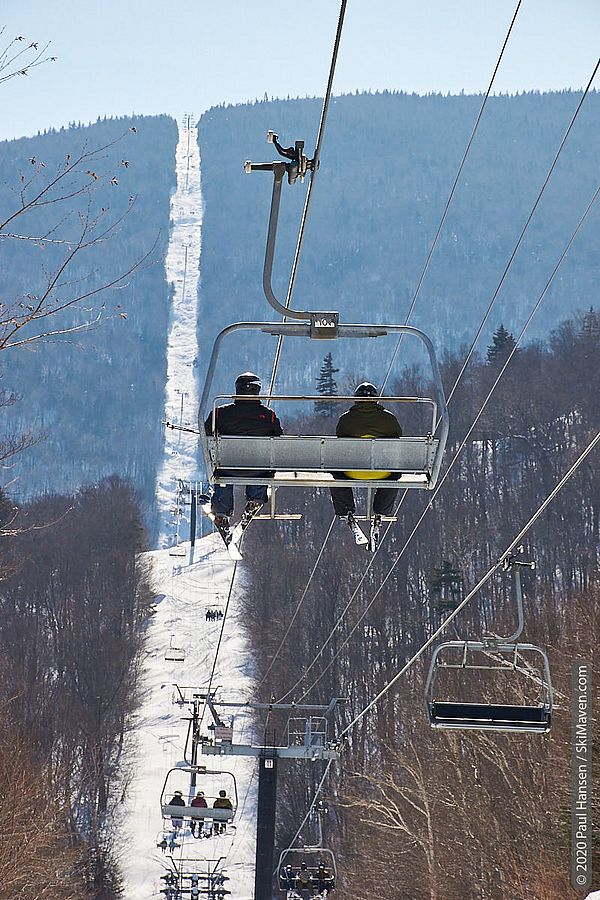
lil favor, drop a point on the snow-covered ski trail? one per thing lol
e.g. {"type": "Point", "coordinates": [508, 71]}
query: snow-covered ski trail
{"type": "Point", "coordinates": [182, 267]}
{"type": "Point", "coordinates": [187, 586]}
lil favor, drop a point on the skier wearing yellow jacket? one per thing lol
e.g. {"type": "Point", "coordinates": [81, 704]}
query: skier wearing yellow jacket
{"type": "Point", "coordinates": [369, 419]}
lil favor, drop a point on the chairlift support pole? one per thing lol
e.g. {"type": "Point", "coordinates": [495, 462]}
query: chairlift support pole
{"type": "Point", "coordinates": [193, 517]}
{"type": "Point", "coordinates": [265, 824]}
{"type": "Point", "coordinates": [323, 324]}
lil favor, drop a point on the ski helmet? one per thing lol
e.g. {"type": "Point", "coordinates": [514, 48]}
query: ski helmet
{"type": "Point", "coordinates": [222, 793]}
{"type": "Point", "coordinates": [248, 383]}
{"type": "Point", "coordinates": [366, 389]}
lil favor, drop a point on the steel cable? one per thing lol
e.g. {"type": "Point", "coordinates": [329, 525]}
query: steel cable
{"type": "Point", "coordinates": [513, 544]}
{"type": "Point", "coordinates": [451, 465]}
{"type": "Point", "coordinates": [451, 194]}
{"type": "Point", "coordinates": [316, 161]}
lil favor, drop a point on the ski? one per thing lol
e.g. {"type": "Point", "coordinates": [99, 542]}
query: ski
{"type": "Point", "coordinates": [360, 537]}
{"type": "Point", "coordinates": [374, 535]}
{"type": "Point", "coordinates": [239, 529]}
{"type": "Point", "coordinates": [226, 534]}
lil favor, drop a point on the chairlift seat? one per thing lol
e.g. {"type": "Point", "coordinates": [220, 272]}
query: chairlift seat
{"type": "Point", "coordinates": [197, 812]}
{"type": "Point", "coordinates": [489, 716]}
{"type": "Point", "coordinates": [174, 654]}
{"type": "Point", "coordinates": [178, 550]}
{"type": "Point", "coordinates": [311, 460]}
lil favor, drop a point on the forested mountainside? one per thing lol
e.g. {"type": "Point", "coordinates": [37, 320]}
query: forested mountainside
{"type": "Point", "coordinates": [74, 605]}
{"type": "Point", "coordinates": [417, 813]}
{"type": "Point", "coordinates": [388, 163]}
{"type": "Point", "coordinates": [92, 400]}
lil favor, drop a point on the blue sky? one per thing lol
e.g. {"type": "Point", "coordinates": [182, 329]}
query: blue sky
{"type": "Point", "coordinates": [117, 57]}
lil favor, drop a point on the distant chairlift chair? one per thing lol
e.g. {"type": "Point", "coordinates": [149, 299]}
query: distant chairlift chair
{"type": "Point", "coordinates": [291, 860]}
{"type": "Point", "coordinates": [174, 654]}
{"type": "Point", "coordinates": [507, 657]}
{"type": "Point", "coordinates": [182, 774]}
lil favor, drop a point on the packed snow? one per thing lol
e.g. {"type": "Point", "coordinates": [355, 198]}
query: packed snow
{"type": "Point", "coordinates": [189, 583]}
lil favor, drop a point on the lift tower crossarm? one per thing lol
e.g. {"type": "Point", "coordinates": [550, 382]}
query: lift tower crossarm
{"type": "Point", "coordinates": [300, 752]}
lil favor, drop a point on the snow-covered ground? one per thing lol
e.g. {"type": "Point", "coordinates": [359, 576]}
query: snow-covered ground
{"type": "Point", "coordinates": [187, 586]}
{"type": "Point", "coordinates": [182, 267]}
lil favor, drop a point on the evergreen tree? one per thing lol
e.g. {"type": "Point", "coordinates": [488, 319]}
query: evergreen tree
{"type": "Point", "coordinates": [326, 386]}
{"type": "Point", "coordinates": [501, 346]}
{"type": "Point", "coordinates": [446, 584]}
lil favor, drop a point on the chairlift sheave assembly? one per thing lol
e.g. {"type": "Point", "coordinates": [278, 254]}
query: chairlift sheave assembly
{"type": "Point", "coordinates": [500, 657]}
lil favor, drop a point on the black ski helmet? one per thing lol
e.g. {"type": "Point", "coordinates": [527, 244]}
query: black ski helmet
{"type": "Point", "coordinates": [366, 389]}
{"type": "Point", "coordinates": [248, 383]}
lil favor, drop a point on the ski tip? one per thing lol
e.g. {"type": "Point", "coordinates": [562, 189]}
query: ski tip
{"type": "Point", "coordinates": [234, 552]}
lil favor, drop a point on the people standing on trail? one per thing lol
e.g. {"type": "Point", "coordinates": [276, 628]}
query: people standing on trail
{"type": "Point", "coordinates": [366, 418]}
{"type": "Point", "coordinates": [249, 417]}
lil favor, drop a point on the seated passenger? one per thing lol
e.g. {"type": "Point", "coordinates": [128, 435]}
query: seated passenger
{"type": "Point", "coordinates": [177, 800]}
{"type": "Point", "coordinates": [323, 879]}
{"type": "Point", "coordinates": [289, 877]}
{"type": "Point", "coordinates": [199, 803]}
{"type": "Point", "coordinates": [242, 417]}
{"type": "Point", "coordinates": [303, 878]}
{"type": "Point", "coordinates": [366, 419]}
{"type": "Point", "coordinates": [222, 802]}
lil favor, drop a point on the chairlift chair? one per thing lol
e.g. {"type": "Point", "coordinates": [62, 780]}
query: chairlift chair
{"type": "Point", "coordinates": [174, 654]}
{"type": "Point", "coordinates": [179, 778]}
{"type": "Point", "coordinates": [177, 550]}
{"type": "Point", "coordinates": [313, 460]}
{"type": "Point", "coordinates": [501, 657]}
{"type": "Point", "coordinates": [312, 856]}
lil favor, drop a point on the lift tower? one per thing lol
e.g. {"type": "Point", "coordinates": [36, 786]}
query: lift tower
{"type": "Point", "coordinates": [306, 739]}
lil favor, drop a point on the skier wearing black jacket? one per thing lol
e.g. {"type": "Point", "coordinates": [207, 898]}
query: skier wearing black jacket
{"type": "Point", "coordinates": [369, 419]}
{"type": "Point", "coordinates": [242, 417]}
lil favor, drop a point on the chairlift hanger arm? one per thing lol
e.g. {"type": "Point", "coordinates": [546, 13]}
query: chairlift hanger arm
{"type": "Point", "coordinates": [298, 167]}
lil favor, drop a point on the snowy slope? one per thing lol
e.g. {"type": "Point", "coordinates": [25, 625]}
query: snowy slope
{"type": "Point", "coordinates": [182, 267]}
{"type": "Point", "coordinates": [187, 586]}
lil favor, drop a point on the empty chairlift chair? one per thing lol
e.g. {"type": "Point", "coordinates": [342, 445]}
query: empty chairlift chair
{"type": "Point", "coordinates": [174, 654]}
{"type": "Point", "coordinates": [500, 658]}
